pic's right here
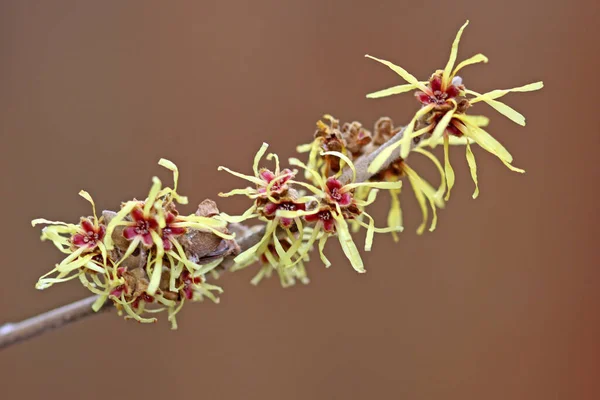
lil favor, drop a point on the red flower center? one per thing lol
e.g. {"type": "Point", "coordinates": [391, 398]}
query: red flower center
{"type": "Point", "coordinates": [324, 215]}
{"type": "Point", "coordinates": [287, 206]}
{"type": "Point", "coordinates": [142, 227]}
{"type": "Point", "coordinates": [335, 194]}
{"type": "Point", "coordinates": [89, 236]}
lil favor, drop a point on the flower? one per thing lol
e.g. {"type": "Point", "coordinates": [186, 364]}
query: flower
{"type": "Point", "coordinates": [324, 217]}
{"type": "Point", "coordinates": [141, 227]}
{"type": "Point", "coordinates": [270, 211]}
{"type": "Point", "coordinates": [436, 94]}
{"type": "Point", "coordinates": [82, 243]}
{"type": "Point", "coordinates": [153, 223]}
{"type": "Point", "coordinates": [269, 184]}
{"type": "Point", "coordinates": [337, 193]}
{"type": "Point", "coordinates": [141, 257]}
{"type": "Point", "coordinates": [350, 139]}
{"type": "Point", "coordinates": [266, 205]}
{"type": "Point", "coordinates": [443, 114]}
{"type": "Point", "coordinates": [337, 205]}
{"type": "Point", "coordinates": [170, 231]}
{"type": "Point", "coordinates": [90, 235]}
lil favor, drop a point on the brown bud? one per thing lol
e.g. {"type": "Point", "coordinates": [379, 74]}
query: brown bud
{"type": "Point", "coordinates": [208, 208]}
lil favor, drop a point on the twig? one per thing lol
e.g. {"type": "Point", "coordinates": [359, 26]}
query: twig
{"type": "Point", "coordinates": [12, 333]}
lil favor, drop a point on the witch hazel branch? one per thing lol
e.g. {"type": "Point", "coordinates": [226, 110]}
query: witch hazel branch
{"type": "Point", "coordinates": [148, 259]}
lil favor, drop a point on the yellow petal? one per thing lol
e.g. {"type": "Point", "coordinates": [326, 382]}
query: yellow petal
{"type": "Point", "coordinates": [376, 185]}
{"type": "Point", "coordinates": [304, 148]}
{"type": "Point", "coordinates": [370, 198]}
{"type": "Point", "coordinates": [453, 141]}
{"type": "Point", "coordinates": [99, 303]}
{"type": "Point", "coordinates": [271, 156]}
{"type": "Point", "coordinates": [252, 179]}
{"type": "Point", "coordinates": [87, 196]}
{"type": "Point", "coordinates": [391, 91]}
{"type": "Point", "coordinates": [324, 259]}
{"type": "Point", "coordinates": [442, 188]}
{"type": "Point", "coordinates": [382, 157]}
{"type": "Point", "coordinates": [486, 141]}
{"type": "Point", "coordinates": [345, 158]}
{"type": "Point", "coordinates": [434, 217]}
{"type": "Point", "coordinates": [473, 168]}
{"type": "Point", "coordinates": [449, 172]}
{"type": "Point", "coordinates": [348, 246]}
{"type": "Point", "coordinates": [477, 120]}
{"type": "Point", "coordinates": [495, 94]}
{"type": "Point", "coordinates": [513, 168]}
{"type": "Point", "coordinates": [502, 108]}
{"type": "Point", "coordinates": [370, 232]}
{"type": "Point", "coordinates": [395, 214]}
{"type": "Point", "coordinates": [163, 162]}
{"type": "Point", "coordinates": [258, 156]}
{"type": "Point", "coordinates": [441, 126]}
{"type": "Point", "coordinates": [74, 264]}
{"type": "Point", "coordinates": [477, 58]}
{"type": "Point", "coordinates": [400, 71]}
{"type": "Point", "coordinates": [252, 251]}
{"type": "Point", "coordinates": [130, 249]}
{"type": "Point", "coordinates": [407, 139]}
{"type": "Point", "coordinates": [507, 111]}
{"type": "Point", "coordinates": [415, 182]}
{"type": "Point", "coordinates": [38, 221]}
{"type": "Point", "coordinates": [315, 174]}
{"type": "Point", "coordinates": [447, 75]}
{"type": "Point", "coordinates": [152, 196]}
{"type": "Point", "coordinates": [246, 192]}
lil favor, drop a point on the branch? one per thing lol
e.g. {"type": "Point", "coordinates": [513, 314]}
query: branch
{"type": "Point", "coordinates": [12, 333]}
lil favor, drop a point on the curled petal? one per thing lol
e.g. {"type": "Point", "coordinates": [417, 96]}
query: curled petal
{"type": "Point", "coordinates": [477, 58]}
{"type": "Point", "coordinates": [402, 72]}
{"type": "Point", "coordinates": [258, 156]}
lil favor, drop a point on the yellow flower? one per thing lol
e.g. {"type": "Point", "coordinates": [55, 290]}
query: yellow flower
{"type": "Point", "coordinates": [166, 276]}
{"type": "Point", "coordinates": [336, 206]}
{"type": "Point", "coordinates": [443, 114]}
{"type": "Point", "coordinates": [153, 221]}
{"type": "Point", "coordinates": [328, 137]}
{"type": "Point", "coordinates": [83, 244]}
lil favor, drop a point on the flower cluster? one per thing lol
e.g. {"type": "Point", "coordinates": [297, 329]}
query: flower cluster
{"type": "Point", "coordinates": [147, 257]}
{"type": "Point", "coordinates": [299, 214]}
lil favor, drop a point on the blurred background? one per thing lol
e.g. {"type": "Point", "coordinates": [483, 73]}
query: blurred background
{"type": "Point", "coordinates": [500, 302]}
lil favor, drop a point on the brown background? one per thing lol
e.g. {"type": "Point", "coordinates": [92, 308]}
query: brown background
{"type": "Point", "coordinates": [501, 302]}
